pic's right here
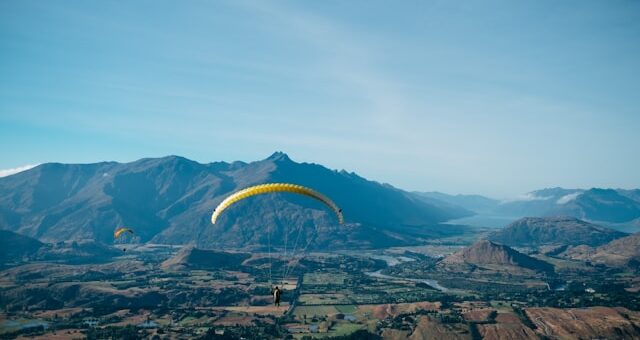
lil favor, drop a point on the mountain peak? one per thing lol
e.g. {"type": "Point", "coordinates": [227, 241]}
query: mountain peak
{"type": "Point", "coordinates": [485, 252]}
{"type": "Point", "coordinates": [164, 160]}
{"type": "Point", "coordinates": [279, 156]}
{"type": "Point", "coordinates": [482, 250]}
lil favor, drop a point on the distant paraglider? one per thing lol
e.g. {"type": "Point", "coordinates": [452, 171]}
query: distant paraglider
{"type": "Point", "coordinates": [120, 231]}
{"type": "Point", "coordinates": [122, 235]}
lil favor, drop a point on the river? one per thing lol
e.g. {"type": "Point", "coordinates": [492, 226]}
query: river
{"type": "Point", "coordinates": [432, 283]}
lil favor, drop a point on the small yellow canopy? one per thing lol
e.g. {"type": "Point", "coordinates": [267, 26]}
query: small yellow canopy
{"type": "Point", "coordinates": [271, 188]}
{"type": "Point", "coordinates": [119, 232]}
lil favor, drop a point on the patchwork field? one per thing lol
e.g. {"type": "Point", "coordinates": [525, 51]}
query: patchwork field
{"type": "Point", "coordinates": [601, 322]}
{"type": "Point", "coordinates": [336, 295]}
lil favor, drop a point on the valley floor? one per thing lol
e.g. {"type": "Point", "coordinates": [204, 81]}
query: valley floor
{"type": "Point", "coordinates": [394, 293]}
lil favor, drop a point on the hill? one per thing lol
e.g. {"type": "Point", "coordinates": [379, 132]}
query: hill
{"type": "Point", "coordinates": [539, 231]}
{"type": "Point", "coordinates": [170, 199]}
{"type": "Point", "coordinates": [485, 252]}
{"type": "Point", "coordinates": [15, 247]}
{"type": "Point", "coordinates": [623, 251]}
{"type": "Point", "coordinates": [584, 323]}
{"type": "Point", "coordinates": [77, 252]}
{"type": "Point", "coordinates": [193, 258]}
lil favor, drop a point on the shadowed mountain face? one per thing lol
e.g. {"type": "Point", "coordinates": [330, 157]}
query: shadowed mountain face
{"type": "Point", "coordinates": [536, 231]}
{"type": "Point", "coordinates": [15, 246]}
{"type": "Point", "coordinates": [18, 248]}
{"type": "Point", "coordinates": [170, 200]}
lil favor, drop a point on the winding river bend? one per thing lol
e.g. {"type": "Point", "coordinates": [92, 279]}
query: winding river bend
{"type": "Point", "coordinates": [432, 283]}
{"type": "Point", "coordinates": [392, 261]}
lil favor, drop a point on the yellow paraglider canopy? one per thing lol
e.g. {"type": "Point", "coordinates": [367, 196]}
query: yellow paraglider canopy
{"type": "Point", "coordinates": [119, 232]}
{"type": "Point", "coordinates": [271, 188]}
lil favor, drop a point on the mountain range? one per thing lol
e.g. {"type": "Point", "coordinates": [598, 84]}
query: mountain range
{"type": "Point", "coordinates": [617, 208]}
{"type": "Point", "coordinates": [170, 200]}
{"type": "Point", "coordinates": [607, 205]}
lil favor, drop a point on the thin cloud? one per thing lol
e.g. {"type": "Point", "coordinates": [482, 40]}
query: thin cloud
{"type": "Point", "coordinates": [13, 171]}
{"type": "Point", "coordinates": [568, 198]}
{"type": "Point", "coordinates": [351, 62]}
{"type": "Point", "coordinates": [528, 197]}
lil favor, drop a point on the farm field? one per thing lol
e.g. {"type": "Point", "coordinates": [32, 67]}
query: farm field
{"type": "Point", "coordinates": [335, 295]}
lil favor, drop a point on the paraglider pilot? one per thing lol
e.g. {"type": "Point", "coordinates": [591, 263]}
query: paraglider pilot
{"type": "Point", "coordinates": [276, 296]}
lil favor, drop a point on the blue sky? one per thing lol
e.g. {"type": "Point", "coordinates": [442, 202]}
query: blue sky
{"type": "Point", "coordinates": [496, 98]}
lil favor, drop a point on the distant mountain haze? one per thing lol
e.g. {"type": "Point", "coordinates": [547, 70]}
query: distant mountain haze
{"type": "Point", "coordinates": [474, 203]}
{"type": "Point", "coordinates": [170, 200]}
{"type": "Point", "coordinates": [608, 205]}
{"type": "Point", "coordinates": [618, 208]}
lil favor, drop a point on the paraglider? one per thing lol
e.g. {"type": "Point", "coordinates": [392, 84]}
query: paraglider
{"type": "Point", "coordinates": [287, 255]}
{"type": "Point", "coordinates": [276, 297]}
{"type": "Point", "coordinates": [119, 232]}
{"type": "Point", "coordinates": [271, 188]}
{"type": "Point", "coordinates": [118, 235]}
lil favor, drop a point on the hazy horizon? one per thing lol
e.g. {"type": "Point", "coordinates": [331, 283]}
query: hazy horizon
{"type": "Point", "coordinates": [495, 98]}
